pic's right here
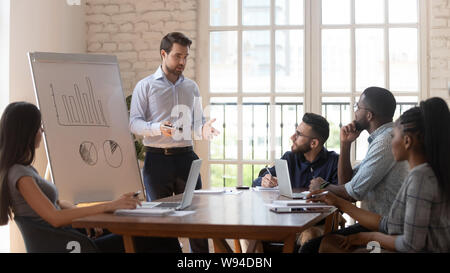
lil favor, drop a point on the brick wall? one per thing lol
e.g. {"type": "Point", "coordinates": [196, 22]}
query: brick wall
{"type": "Point", "coordinates": [440, 49]}
{"type": "Point", "coordinates": [132, 30]}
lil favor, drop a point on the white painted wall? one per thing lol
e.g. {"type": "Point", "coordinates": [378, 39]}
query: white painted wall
{"type": "Point", "coordinates": [40, 25]}
{"type": "Point", "coordinates": [4, 53]}
{"type": "Point", "coordinates": [4, 94]}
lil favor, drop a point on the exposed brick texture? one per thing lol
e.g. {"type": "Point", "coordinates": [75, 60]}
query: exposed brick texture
{"type": "Point", "coordinates": [132, 30]}
{"type": "Point", "coordinates": [440, 49]}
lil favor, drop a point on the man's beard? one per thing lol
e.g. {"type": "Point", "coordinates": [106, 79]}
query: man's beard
{"type": "Point", "coordinates": [174, 71]}
{"type": "Point", "coordinates": [361, 126]}
{"type": "Point", "coordinates": [303, 149]}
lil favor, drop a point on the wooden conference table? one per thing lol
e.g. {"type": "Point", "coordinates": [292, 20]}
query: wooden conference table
{"type": "Point", "coordinates": [217, 216]}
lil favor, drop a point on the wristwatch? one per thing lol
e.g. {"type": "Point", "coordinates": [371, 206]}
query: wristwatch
{"type": "Point", "coordinates": [324, 185]}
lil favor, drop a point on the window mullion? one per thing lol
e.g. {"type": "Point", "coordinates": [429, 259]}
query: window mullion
{"type": "Point", "coordinates": [386, 45]}
{"type": "Point", "coordinates": [353, 48]}
{"type": "Point", "coordinates": [313, 98]}
{"type": "Point", "coordinates": [307, 64]}
{"type": "Point", "coordinates": [240, 124]}
{"type": "Point", "coordinates": [202, 78]}
{"type": "Point", "coordinates": [353, 72]}
{"type": "Point", "coordinates": [272, 82]}
{"type": "Point", "coordinates": [272, 48]}
{"type": "Point", "coordinates": [424, 11]}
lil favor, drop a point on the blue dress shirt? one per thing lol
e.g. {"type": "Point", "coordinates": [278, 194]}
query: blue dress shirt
{"type": "Point", "coordinates": [155, 100]}
{"type": "Point", "coordinates": [378, 178]}
{"type": "Point", "coordinates": [301, 171]}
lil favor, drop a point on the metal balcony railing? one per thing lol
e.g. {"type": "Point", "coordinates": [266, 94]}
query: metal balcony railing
{"type": "Point", "coordinates": [282, 110]}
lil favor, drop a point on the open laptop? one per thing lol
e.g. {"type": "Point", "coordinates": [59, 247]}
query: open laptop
{"type": "Point", "coordinates": [284, 181]}
{"type": "Point", "coordinates": [188, 194]}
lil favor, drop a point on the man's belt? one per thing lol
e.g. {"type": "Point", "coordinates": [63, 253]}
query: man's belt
{"type": "Point", "coordinates": [169, 151]}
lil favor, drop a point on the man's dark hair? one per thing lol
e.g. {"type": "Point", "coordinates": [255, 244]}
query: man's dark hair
{"type": "Point", "coordinates": [174, 37]}
{"type": "Point", "coordinates": [319, 125]}
{"type": "Point", "coordinates": [380, 102]}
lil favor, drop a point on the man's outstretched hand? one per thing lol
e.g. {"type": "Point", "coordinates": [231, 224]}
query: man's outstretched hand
{"type": "Point", "coordinates": [208, 132]}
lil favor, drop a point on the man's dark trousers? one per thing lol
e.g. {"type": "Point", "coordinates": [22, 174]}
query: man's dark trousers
{"type": "Point", "coordinates": [165, 175]}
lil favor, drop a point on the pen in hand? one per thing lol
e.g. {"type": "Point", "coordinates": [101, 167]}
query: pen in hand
{"type": "Point", "coordinates": [319, 194]}
{"type": "Point", "coordinates": [136, 194]}
{"type": "Point", "coordinates": [271, 182]}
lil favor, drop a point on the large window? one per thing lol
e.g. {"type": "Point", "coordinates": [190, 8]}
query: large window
{"type": "Point", "coordinates": [366, 43]}
{"type": "Point", "coordinates": [270, 61]}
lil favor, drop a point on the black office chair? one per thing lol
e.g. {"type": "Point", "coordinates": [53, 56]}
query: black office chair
{"type": "Point", "coordinates": [40, 237]}
{"type": "Point", "coordinates": [260, 174]}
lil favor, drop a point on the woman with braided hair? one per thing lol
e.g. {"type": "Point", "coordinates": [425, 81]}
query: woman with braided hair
{"type": "Point", "coordinates": [419, 219]}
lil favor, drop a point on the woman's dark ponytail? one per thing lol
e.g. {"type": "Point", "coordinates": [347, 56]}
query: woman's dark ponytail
{"type": "Point", "coordinates": [436, 125]}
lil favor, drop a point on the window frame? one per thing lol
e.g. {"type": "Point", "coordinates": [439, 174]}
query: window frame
{"type": "Point", "coordinates": [312, 95]}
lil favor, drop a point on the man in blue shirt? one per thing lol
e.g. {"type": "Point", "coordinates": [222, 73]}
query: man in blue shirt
{"type": "Point", "coordinates": [166, 110]}
{"type": "Point", "coordinates": [308, 157]}
{"type": "Point", "coordinates": [378, 178]}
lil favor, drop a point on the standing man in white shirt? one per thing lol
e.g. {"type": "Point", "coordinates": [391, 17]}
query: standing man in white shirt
{"type": "Point", "coordinates": [165, 109]}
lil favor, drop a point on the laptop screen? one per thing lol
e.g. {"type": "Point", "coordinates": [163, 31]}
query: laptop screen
{"type": "Point", "coordinates": [284, 181]}
{"type": "Point", "coordinates": [188, 194]}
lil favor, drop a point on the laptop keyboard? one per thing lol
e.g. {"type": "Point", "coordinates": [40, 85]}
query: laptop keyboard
{"type": "Point", "coordinates": [299, 195]}
{"type": "Point", "coordinates": [168, 205]}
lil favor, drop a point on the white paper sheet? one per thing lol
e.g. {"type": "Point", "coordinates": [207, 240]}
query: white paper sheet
{"type": "Point", "coordinates": [259, 188]}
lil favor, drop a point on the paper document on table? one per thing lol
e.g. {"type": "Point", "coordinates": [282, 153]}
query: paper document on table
{"type": "Point", "coordinates": [259, 188]}
{"type": "Point", "coordinates": [148, 205]}
{"type": "Point", "coordinates": [179, 213]}
{"type": "Point", "coordinates": [303, 208]}
{"type": "Point", "coordinates": [144, 212]}
{"type": "Point", "coordinates": [296, 202]}
{"type": "Point", "coordinates": [233, 192]}
{"type": "Point", "coordinates": [305, 193]}
{"type": "Point", "coordinates": [210, 191]}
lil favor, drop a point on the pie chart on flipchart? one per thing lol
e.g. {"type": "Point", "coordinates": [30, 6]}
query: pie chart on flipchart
{"type": "Point", "coordinates": [88, 153]}
{"type": "Point", "coordinates": [113, 153]}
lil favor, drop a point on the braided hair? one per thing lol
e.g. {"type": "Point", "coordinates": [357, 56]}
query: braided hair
{"type": "Point", "coordinates": [431, 123]}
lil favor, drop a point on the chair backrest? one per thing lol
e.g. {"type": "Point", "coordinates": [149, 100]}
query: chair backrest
{"type": "Point", "coordinates": [40, 237]}
{"type": "Point", "coordinates": [260, 174]}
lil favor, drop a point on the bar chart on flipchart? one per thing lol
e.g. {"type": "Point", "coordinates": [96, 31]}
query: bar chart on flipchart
{"type": "Point", "coordinates": [89, 146]}
{"type": "Point", "coordinates": [78, 107]}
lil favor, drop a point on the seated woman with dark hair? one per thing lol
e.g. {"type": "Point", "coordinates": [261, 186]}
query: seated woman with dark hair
{"type": "Point", "coordinates": [419, 219]}
{"type": "Point", "coordinates": [23, 192]}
